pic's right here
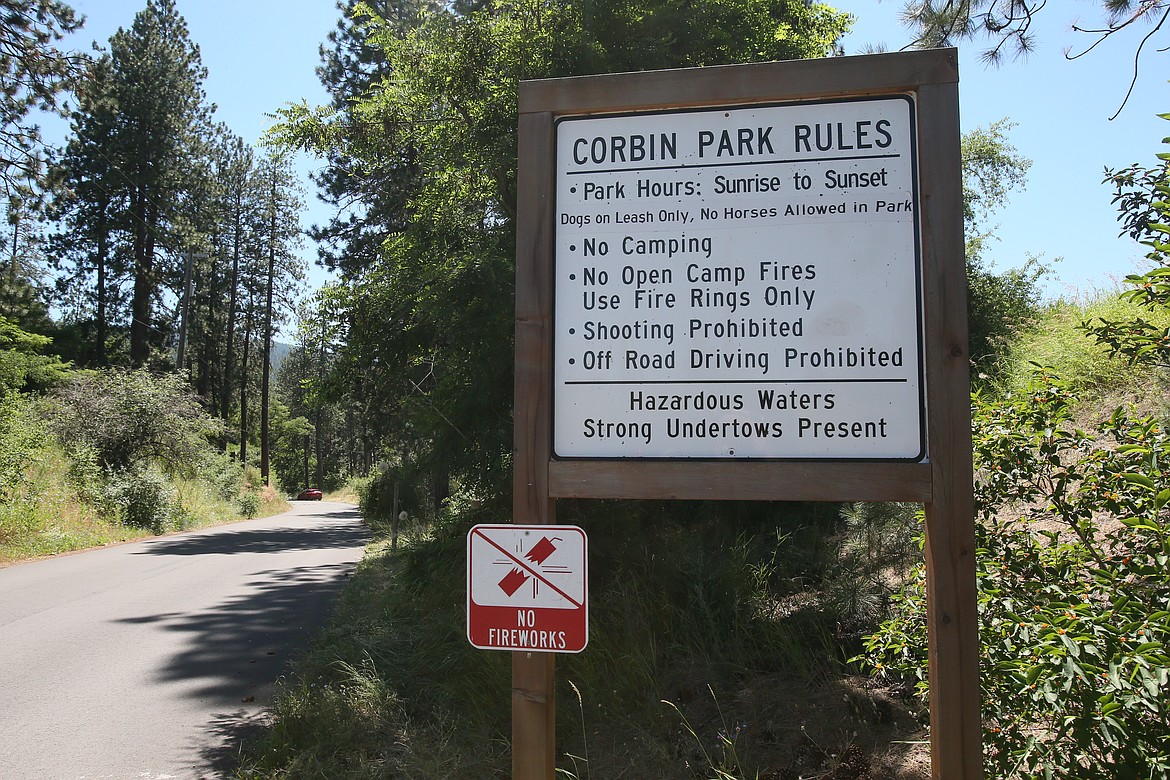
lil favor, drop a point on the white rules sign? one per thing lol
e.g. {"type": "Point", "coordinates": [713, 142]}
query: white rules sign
{"type": "Point", "coordinates": [739, 283]}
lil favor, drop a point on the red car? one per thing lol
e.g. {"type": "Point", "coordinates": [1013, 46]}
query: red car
{"type": "Point", "coordinates": [311, 494]}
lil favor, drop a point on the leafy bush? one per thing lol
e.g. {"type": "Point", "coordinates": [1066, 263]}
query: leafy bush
{"type": "Point", "coordinates": [249, 504]}
{"type": "Point", "coordinates": [22, 437]}
{"type": "Point", "coordinates": [224, 473]}
{"type": "Point", "coordinates": [1074, 592]}
{"type": "Point", "coordinates": [129, 417]}
{"type": "Point", "coordinates": [85, 473]}
{"type": "Point", "coordinates": [22, 366]}
{"type": "Point", "coordinates": [377, 494]}
{"type": "Point", "coordinates": [144, 498]}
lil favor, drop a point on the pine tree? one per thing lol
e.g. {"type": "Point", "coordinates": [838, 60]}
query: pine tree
{"type": "Point", "coordinates": [370, 204]}
{"type": "Point", "coordinates": [157, 78]}
{"type": "Point", "coordinates": [278, 236]}
{"type": "Point", "coordinates": [234, 164]}
{"type": "Point", "coordinates": [33, 73]}
{"type": "Point", "coordinates": [427, 304]}
{"type": "Point", "coordinates": [88, 194]}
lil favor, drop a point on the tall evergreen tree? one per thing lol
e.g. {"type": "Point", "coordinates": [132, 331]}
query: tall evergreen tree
{"type": "Point", "coordinates": [234, 167]}
{"type": "Point", "coordinates": [278, 236]}
{"type": "Point", "coordinates": [33, 73]}
{"type": "Point", "coordinates": [429, 315]}
{"type": "Point", "coordinates": [157, 78]}
{"type": "Point", "coordinates": [369, 205]}
{"type": "Point", "coordinates": [89, 195]}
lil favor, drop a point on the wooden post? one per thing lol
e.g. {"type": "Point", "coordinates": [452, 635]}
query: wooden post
{"type": "Point", "coordinates": [395, 509]}
{"type": "Point", "coordinates": [951, 598]}
{"type": "Point", "coordinates": [533, 674]}
{"type": "Point", "coordinates": [942, 480]}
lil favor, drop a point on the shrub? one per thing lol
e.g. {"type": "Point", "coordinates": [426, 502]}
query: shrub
{"type": "Point", "coordinates": [223, 473]}
{"type": "Point", "coordinates": [377, 494]}
{"type": "Point", "coordinates": [249, 504]}
{"type": "Point", "coordinates": [143, 498]}
{"type": "Point", "coordinates": [877, 548]}
{"type": "Point", "coordinates": [22, 435]}
{"type": "Point", "coordinates": [129, 417]}
{"type": "Point", "coordinates": [1074, 610]}
{"type": "Point", "coordinates": [85, 473]}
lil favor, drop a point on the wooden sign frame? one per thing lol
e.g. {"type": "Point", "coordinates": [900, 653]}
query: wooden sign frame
{"type": "Point", "coordinates": [943, 481]}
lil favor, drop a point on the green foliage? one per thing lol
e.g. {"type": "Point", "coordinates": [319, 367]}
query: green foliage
{"type": "Point", "coordinates": [224, 474]}
{"type": "Point", "coordinates": [33, 72]}
{"type": "Point", "coordinates": [54, 500]}
{"type": "Point", "coordinates": [22, 367]}
{"type": "Point", "coordinates": [1000, 304]}
{"type": "Point", "coordinates": [376, 494]}
{"type": "Point", "coordinates": [129, 417]}
{"type": "Point", "coordinates": [1009, 24]}
{"type": "Point", "coordinates": [22, 441]}
{"type": "Point", "coordinates": [429, 321]}
{"type": "Point", "coordinates": [1057, 339]}
{"type": "Point", "coordinates": [143, 497]}
{"type": "Point", "coordinates": [1143, 199]}
{"type": "Point", "coordinates": [1073, 564]}
{"type": "Point", "coordinates": [683, 596]}
{"type": "Point", "coordinates": [1074, 610]}
{"type": "Point", "coordinates": [877, 547]}
{"type": "Point", "coordinates": [992, 169]}
{"type": "Point", "coordinates": [291, 438]}
{"type": "Point", "coordinates": [249, 504]}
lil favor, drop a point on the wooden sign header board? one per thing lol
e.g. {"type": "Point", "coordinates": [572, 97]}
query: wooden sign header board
{"type": "Point", "coordinates": [846, 308]}
{"type": "Point", "coordinates": [689, 291]}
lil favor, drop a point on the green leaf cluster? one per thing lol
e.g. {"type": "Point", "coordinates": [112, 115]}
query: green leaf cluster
{"type": "Point", "coordinates": [1142, 196]}
{"type": "Point", "coordinates": [428, 322]}
{"type": "Point", "coordinates": [131, 418]}
{"type": "Point", "coordinates": [22, 366]}
{"type": "Point", "coordinates": [1074, 592]}
{"type": "Point", "coordinates": [1073, 559]}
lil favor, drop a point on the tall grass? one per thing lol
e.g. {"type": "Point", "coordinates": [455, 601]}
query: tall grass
{"type": "Point", "coordinates": [54, 501]}
{"type": "Point", "coordinates": [44, 515]}
{"type": "Point", "coordinates": [1057, 341]}
{"type": "Point", "coordinates": [686, 599]}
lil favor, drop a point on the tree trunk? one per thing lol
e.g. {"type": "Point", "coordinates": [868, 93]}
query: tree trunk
{"type": "Point", "coordinates": [143, 285]}
{"type": "Point", "coordinates": [233, 305]}
{"type": "Point", "coordinates": [318, 424]}
{"type": "Point", "coordinates": [244, 387]}
{"type": "Point", "coordinates": [100, 261]}
{"type": "Point", "coordinates": [266, 369]}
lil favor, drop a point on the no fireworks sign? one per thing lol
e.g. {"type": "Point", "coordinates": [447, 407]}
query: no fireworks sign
{"type": "Point", "coordinates": [527, 588]}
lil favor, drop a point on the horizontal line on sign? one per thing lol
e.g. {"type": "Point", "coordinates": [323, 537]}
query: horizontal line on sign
{"type": "Point", "coordinates": [731, 381]}
{"type": "Point", "coordinates": [735, 164]}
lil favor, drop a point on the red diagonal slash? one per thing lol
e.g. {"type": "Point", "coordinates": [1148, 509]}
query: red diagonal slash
{"type": "Point", "coordinates": [528, 569]}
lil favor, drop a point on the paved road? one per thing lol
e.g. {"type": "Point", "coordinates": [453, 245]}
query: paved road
{"type": "Point", "coordinates": [150, 660]}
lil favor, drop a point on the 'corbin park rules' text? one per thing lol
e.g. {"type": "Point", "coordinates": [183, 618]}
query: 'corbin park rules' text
{"type": "Point", "coordinates": [739, 283]}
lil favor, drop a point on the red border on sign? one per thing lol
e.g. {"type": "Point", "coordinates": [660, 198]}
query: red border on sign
{"type": "Point", "coordinates": [528, 628]}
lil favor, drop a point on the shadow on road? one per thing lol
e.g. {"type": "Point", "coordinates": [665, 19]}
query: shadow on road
{"type": "Point", "coordinates": [220, 750]}
{"type": "Point", "coordinates": [235, 650]}
{"type": "Point", "coordinates": [229, 654]}
{"type": "Point", "coordinates": [264, 540]}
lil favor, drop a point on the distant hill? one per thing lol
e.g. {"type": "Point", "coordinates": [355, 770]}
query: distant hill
{"type": "Point", "coordinates": [279, 353]}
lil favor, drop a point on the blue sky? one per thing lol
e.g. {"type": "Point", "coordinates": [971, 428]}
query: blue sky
{"type": "Point", "coordinates": [1062, 111]}
{"type": "Point", "coordinates": [261, 54]}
